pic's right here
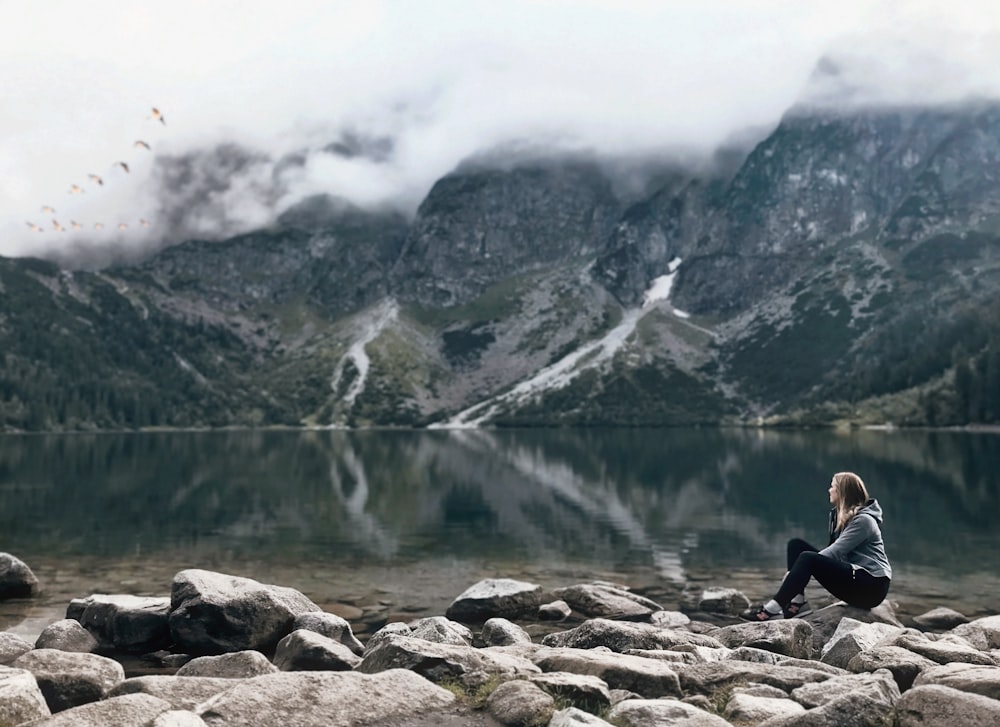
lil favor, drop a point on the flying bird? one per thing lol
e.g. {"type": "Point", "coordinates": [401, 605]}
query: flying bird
{"type": "Point", "coordinates": [122, 226]}
{"type": "Point", "coordinates": [57, 226]}
{"type": "Point", "coordinates": [144, 223]}
{"type": "Point", "coordinates": [75, 225]}
{"type": "Point", "coordinates": [123, 165]}
{"type": "Point", "coordinates": [140, 144]}
{"type": "Point", "coordinates": [48, 210]}
{"type": "Point", "coordinates": [158, 116]}
{"type": "Point", "coordinates": [34, 227]}
{"type": "Point", "coordinates": [76, 189]}
{"type": "Point", "coordinates": [95, 178]}
{"type": "Point", "coordinates": [98, 225]}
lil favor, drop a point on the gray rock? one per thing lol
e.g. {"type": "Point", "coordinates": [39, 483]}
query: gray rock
{"type": "Point", "coordinates": [11, 647]}
{"type": "Point", "coordinates": [677, 657]}
{"type": "Point", "coordinates": [554, 611]}
{"type": "Point", "coordinates": [727, 601]}
{"type": "Point", "coordinates": [495, 597]}
{"type": "Point", "coordinates": [236, 665]}
{"type": "Point", "coordinates": [396, 628]}
{"type": "Point", "coordinates": [607, 601]}
{"type": "Point", "coordinates": [68, 679]}
{"type": "Point", "coordinates": [124, 623]}
{"type": "Point", "coordinates": [791, 637]}
{"type": "Point", "coordinates": [943, 652]}
{"type": "Point", "coordinates": [305, 650]}
{"type": "Point", "coordinates": [878, 685]}
{"type": "Point", "coordinates": [851, 638]}
{"type": "Point", "coordinates": [66, 635]}
{"type": "Point", "coordinates": [934, 705]}
{"type": "Point", "coordinates": [178, 692]}
{"type": "Point", "coordinates": [826, 620]}
{"type": "Point", "coordinates": [669, 619]}
{"type": "Point", "coordinates": [761, 690]}
{"type": "Point", "coordinates": [573, 717]}
{"type": "Point", "coordinates": [501, 632]}
{"type": "Point", "coordinates": [325, 699]}
{"type": "Point", "coordinates": [213, 613]}
{"type": "Point", "coordinates": [940, 619]}
{"type": "Point", "coordinates": [903, 663]}
{"type": "Point", "coordinates": [519, 702]}
{"type": "Point", "coordinates": [16, 578]}
{"type": "Point", "coordinates": [20, 698]}
{"type": "Point", "coordinates": [852, 710]}
{"type": "Point", "coordinates": [441, 630]}
{"type": "Point", "coordinates": [636, 674]}
{"type": "Point", "coordinates": [755, 655]}
{"type": "Point", "coordinates": [649, 712]}
{"type": "Point", "coordinates": [587, 692]}
{"type": "Point", "coordinates": [983, 633]}
{"type": "Point", "coordinates": [984, 680]}
{"type": "Point", "coordinates": [330, 625]}
{"type": "Point", "coordinates": [133, 710]}
{"type": "Point", "coordinates": [709, 678]}
{"type": "Point", "coordinates": [441, 662]}
{"type": "Point", "coordinates": [620, 635]}
{"type": "Point", "coordinates": [178, 718]}
{"type": "Point", "coordinates": [751, 709]}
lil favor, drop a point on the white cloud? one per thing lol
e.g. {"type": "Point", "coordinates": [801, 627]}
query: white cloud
{"type": "Point", "coordinates": [442, 79]}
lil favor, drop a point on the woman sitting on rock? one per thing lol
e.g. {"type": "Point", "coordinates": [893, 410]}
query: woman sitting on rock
{"type": "Point", "coordinates": [853, 567]}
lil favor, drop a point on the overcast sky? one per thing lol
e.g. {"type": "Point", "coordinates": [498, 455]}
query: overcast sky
{"type": "Point", "coordinates": [425, 83]}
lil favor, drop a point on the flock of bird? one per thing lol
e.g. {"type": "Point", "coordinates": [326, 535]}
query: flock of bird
{"type": "Point", "coordinates": [98, 181]}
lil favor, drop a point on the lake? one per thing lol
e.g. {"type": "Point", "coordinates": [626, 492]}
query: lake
{"type": "Point", "coordinates": [384, 524]}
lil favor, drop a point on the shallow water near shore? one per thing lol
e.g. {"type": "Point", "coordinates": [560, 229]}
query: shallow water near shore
{"type": "Point", "coordinates": [385, 525]}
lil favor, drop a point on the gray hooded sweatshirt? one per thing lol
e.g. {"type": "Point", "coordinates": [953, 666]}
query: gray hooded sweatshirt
{"type": "Point", "coordinates": [860, 543]}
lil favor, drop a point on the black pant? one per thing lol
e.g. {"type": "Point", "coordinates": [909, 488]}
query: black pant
{"type": "Point", "coordinates": [857, 587]}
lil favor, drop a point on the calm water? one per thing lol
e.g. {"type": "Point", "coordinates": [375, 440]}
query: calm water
{"type": "Point", "coordinates": [372, 524]}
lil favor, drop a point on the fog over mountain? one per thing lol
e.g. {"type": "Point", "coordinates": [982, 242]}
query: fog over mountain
{"type": "Point", "coordinates": [266, 104]}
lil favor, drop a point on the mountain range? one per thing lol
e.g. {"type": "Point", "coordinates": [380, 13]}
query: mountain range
{"type": "Point", "coordinates": [843, 270]}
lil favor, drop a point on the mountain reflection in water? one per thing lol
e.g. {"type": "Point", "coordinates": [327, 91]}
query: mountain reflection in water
{"type": "Point", "coordinates": [638, 505]}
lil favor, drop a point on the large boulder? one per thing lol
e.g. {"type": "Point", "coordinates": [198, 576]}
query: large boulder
{"type": "Point", "coordinates": [213, 613]}
{"type": "Point", "coordinates": [179, 692]}
{"type": "Point", "coordinates": [791, 637]}
{"type": "Point", "coordinates": [933, 705]}
{"type": "Point", "coordinates": [943, 651]}
{"type": "Point", "coordinates": [330, 625]}
{"type": "Point", "coordinates": [725, 601]}
{"type": "Point", "coordinates": [983, 633]}
{"type": "Point", "coordinates": [441, 630]}
{"type": "Point", "coordinates": [501, 632]}
{"type": "Point", "coordinates": [646, 677]}
{"type": "Point", "coordinates": [878, 685]}
{"type": "Point", "coordinates": [20, 698]}
{"type": "Point", "coordinates": [133, 710]}
{"type": "Point", "coordinates": [235, 665]}
{"type": "Point", "coordinates": [940, 619]}
{"type": "Point", "coordinates": [325, 699]}
{"type": "Point", "coordinates": [709, 678]}
{"type": "Point", "coordinates": [504, 597]}
{"type": "Point", "coordinates": [849, 710]}
{"type": "Point", "coordinates": [621, 636]}
{"type": "Point", "coordinates": [581, 690]}
{"type": "Point", "coordinates": [903, 663]}
{"type": "Point", "coordinates": [744, 708]}
{"type": "Point", "coordinates": [826, 620]}
{"type": "Point", "coordinates": [16, 578]}
{"type": "Point", "coordinates": [69, 679]}
{"type": "Point", "coordinates": [66, 635]}
{"type": "Point", "coordinates": [121, 622]}
{"type": "Point", "coordinates": [647, 712]}
{"type": "Point", "coordinates": [603, 600]}
{"type": "Point", "coordinates": [851, 638]}
{"type": "Point", "coordinates": [305, 650]}
{"type": "Point", "coordinates": [11, 647]}
{"type": "Point", "coordinates": [573, 717]}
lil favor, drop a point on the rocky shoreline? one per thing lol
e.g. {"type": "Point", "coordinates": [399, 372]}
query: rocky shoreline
{"type": "Point", "coordinates": [225, 650]}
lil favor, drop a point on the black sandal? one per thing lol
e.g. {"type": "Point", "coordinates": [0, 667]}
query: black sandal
{"type": "Point", "coordinates": [759, 613]}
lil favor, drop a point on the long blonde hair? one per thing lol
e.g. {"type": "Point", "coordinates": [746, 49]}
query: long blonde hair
{"type": "Point", "coordinates": [850, 495]}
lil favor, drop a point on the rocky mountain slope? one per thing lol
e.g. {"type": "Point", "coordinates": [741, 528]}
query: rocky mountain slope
{"type": "Point", "coordinates": [847, 271]}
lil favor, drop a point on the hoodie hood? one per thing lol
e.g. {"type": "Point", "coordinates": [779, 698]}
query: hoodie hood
{"type": "Point", "coordinates": [872, 508]}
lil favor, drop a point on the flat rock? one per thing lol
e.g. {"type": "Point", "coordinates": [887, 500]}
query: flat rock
{"type": "Point", "coordinates": [940, 619]}
{"type": "Point", "coordinates": [935, 705]}
{"type": "Point", "coordinates": [982, 633]}
{"type": "Point", "coordinates": [943, 652]}
{"type": "Point", "coordinates": [69, 679]}
{"type": "Point", "coordinates": [214, 613]}
{"type": "Point", "coordinates": [878, 685]}
{"type": "Point", "coordinates": [620, 636]}
{"type": "Point", "coordinates": [325, 699]}
{"type": "Point", "coordinates": [903, 663]}
{"type": "Point", "coordinates": [178, 718]}
{"type": "Point", "coordinates": [851, 710]}
{"type": "Point", "coordinates": [20, 698]}
{"type": "Point", "coordinates": [11, 647]}
{"type": "Point", "coordinates": [984, 680]}
{"type": "Point", "coordinates": [726, 601]}
{"type": "Point", "coordinates": [573, 717]}
{"type": "Point", "coordinates": [492, 597]}
{"type": "Point", "coordinates": [607, 601]}
{"type": "Point", "coordinates": [582, 690]}
{"type": "Point", "coordinates": [646, 677]}
{"type": "Point", "coordinates": [709, 678]}
{"type": "Point", "coordinates": [751, 709]}
{"type": "Point", "coordinates": [235, 665]}
{"type": "Point", "coordinates": [16, 578]}
{"type": "Point", "coordinates": [132, 710]}
{"type": "Point", "coordinates": [179, 692]}
{"type": "Point", "coordinates": [650, 712]}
